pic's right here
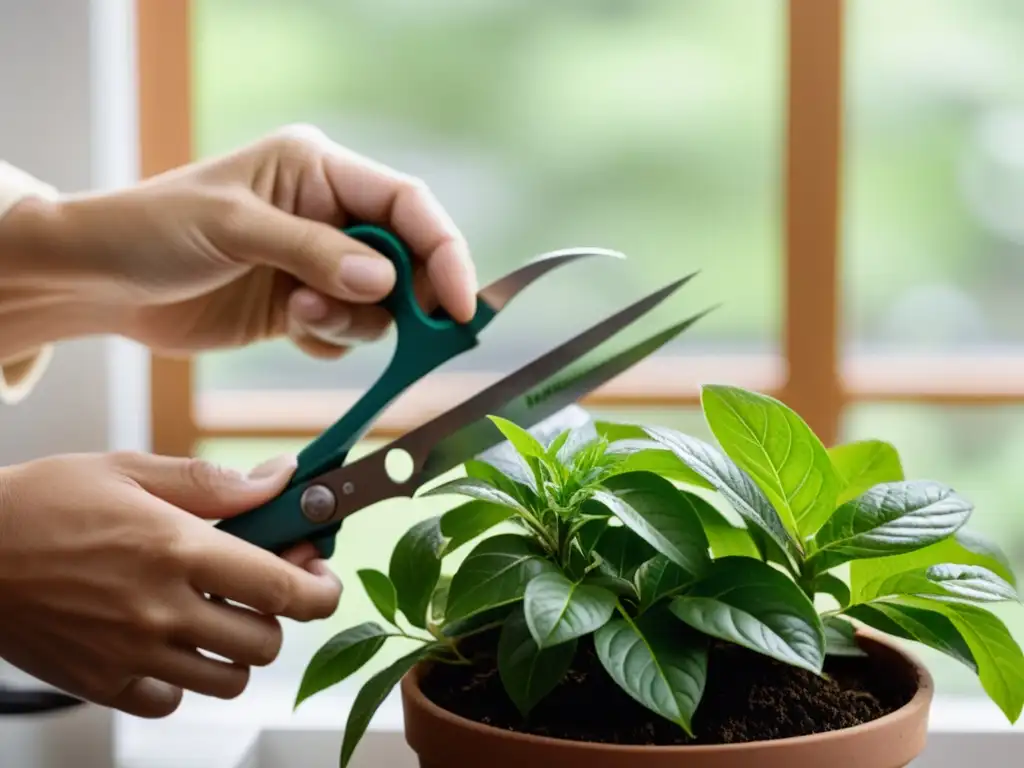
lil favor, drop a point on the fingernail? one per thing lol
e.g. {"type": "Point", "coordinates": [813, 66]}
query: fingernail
{"type": "Point", "coordinates": [371, 276]}
{"type": "Point", "coordinates": [274, 467]}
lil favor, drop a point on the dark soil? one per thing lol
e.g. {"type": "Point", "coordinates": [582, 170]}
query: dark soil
{"type": "Point", "coordinates": [748, 697]}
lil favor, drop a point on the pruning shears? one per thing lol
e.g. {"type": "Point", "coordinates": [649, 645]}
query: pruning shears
{"type": "Point", "coordinates": [324, 490]}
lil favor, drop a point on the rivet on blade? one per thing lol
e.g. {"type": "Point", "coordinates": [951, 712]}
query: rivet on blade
{"type": "Point", "coordinates": [317, 503]}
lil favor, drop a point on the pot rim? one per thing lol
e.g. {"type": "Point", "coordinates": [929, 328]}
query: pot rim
{"type": "Point", "coordinates": [876, 642]}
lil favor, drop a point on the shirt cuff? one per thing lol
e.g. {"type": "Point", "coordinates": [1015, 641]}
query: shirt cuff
{"type": "Point", "coordinates": [19, 376]}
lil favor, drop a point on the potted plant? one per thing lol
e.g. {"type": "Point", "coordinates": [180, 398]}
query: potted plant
{"type": "Point", "coordinates": [634, 596]}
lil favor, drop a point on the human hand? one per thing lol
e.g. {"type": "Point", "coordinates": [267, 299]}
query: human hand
{"type": "Point", "coordinates": [246, 247]}
{"type": "Point", "coordinates": [105, 567]}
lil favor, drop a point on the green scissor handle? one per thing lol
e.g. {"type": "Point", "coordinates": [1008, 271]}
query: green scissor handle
{"type": "Point", "coordinates": [424, 343]}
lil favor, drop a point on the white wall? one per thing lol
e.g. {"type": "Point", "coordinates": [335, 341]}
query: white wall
{"type": "Point", "coordinates": [67, 115]}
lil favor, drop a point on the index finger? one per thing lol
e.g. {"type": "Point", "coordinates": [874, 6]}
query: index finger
{"type": "Point", "coordinates": [230, 568]}
{"type": "Point", "coordinates": [376, 193]}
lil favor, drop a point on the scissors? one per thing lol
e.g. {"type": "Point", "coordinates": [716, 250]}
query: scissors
{"type": "Point", "coordinates": [324, 490]}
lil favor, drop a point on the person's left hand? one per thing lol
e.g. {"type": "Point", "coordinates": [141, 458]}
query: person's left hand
{"type": "Point", "coordinates": [247, 247]}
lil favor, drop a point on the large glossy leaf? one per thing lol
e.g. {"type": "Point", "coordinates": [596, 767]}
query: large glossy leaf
{"type": "Point", "coordinates": [724, 538]}
{"type": "Point", "coordinates": [828, 584]}
{"type": "Point", "coordinates": [558, 610]}
{"type": "Point", "coordinates": [576, 439]}
{"type": "Point", "coordinates": [415, 567]}
{"type": "Point", "coordinates": [372, 695]}
{"type": "Point", "coordinates": [467, 521]}
{"type": "Point", "coordinates": [476, 488]}
{"type": "Point", "coordinates": [658, 662]}
{"type": "Point", "coordinates": [658, 578]}
{"type": "Point", "coordinates": [965, 582]}
{"type": "Point", "coordinates": [964, 548]}
{"type": "Point", "coordinates": [890, 519]}
{"type": "Point", "coordinates": [922, 625]}
{"type": "Point", "coordinates": [774, 445]}
{"type": "Point", "coordinates": [381, 592]}
{"type": "Point", "coordinates": [622, 552]}
{"type": "Point", "coordinates": [660, 514]}
{"type": "Point", "coordinates": [527, 672]}
{"type": "Point", "coordinates": [648, 456]}
{"type": "Point", "coordinates": [750, 603]}
{"type": "Point", "coordinates": [841, 638]}
{"type": "Point", "coordinates": [998, 656]}
{"type": "Point", "coordinates": [732, 482]}
{"type": "Point", "coordinates": [495, 573]}
{"type": "Point", "coordinates": [863, 465]}
{"type": "Point", "coordinates": [340, 657]}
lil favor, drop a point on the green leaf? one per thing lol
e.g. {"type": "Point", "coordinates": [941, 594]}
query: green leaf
{"type": "Point", "coordinates": [503, 468]}
{"type": "Point", "coordinates": [732, 482]}
{"type": "Point", "coordinates": [414, 568]}
{"type": "Point", "coordinates": [647, 456]}
{"type": "Point", "coordinates": [889, 519]}
{"type": "Point", "coordinates": [381, 592]}
{"type": "Point", "coordinates": [622, 552]}
{"type": "Point", "coordinates": [749, 603]}
{"type": "Point", "coordinates": [439, 600]}
{"type": "Point", "coordinates": [660, 514]}
{"type": "Point", "coordinates": [495, 573]}
{"type": "Point", "coordinates": [841, 638]}
{"type": "Point", "coordinates": [577, 439]}
{"type": "Point", "coordinates": [558, 610]}
{"type": "Point", "coordinates": [467, 521]}
{"type": "Point", "coordinates": [775, 446]}
{"type": "Point", "coordinates": [492, 617]}
{"type": "Point", "coordinates": [590, 533]}
{"type": "Point", "coordinates": [527, 672]}
{"type": "Point", "coordinates": [924, 626]}
{"type": "Point", "coordinates": [964, 548]}
{"type": "Point", "coordinates": [966, 582]}
{"type": "Point", "coordinates": [340, 657]}
{"type": "Point", "coordinates": [476, 488]}
{"type": "Point", "coordinates": [372, 695]}
{"type": "Point", "coordinates": [863, 465]}
{"type": "Point", "coordinates": [658, 578]}
{"type": "Point", "coordinates": [998, 656]}
{"type": "Point", "coordinates": [724, 538]}
{"type": "Point", "coordinates": [525, 443]}
{"type": "Point", "coordinates": [832, 585]}
{"type": "Point", "coordinates": [658, 662]}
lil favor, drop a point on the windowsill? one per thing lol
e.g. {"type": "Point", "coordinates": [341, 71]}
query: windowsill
{"type": "Point", "coordinates": [217, 734]}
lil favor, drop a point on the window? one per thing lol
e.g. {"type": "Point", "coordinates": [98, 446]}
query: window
{"type": "Point", "coordinates": [720, 135]}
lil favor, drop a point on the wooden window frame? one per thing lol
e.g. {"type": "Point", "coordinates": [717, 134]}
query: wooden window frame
{"type": "Point", "coordinates": [809, 374]}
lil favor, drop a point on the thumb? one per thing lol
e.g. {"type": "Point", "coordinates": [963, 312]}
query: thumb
{"type": "Point", "coordinates": [321, 256]}
{"type": "Point", "coordinates": [206, 489]}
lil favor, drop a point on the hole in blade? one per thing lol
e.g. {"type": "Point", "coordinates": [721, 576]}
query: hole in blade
{"type": "Point", "coordinates": [399, 465]}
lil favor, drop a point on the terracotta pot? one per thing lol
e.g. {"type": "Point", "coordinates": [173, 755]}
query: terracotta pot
{"type": "Point", "coordinates": [444, 740]}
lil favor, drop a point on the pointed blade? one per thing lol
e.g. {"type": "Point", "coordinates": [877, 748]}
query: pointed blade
{"type": "Point", "coordinates": [504, 289]}
{"type": "Point", "coordinates": [547, 404]}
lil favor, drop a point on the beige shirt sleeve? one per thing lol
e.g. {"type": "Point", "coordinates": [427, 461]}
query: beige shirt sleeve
{"type": "Point", "coordinates": [19, 375]}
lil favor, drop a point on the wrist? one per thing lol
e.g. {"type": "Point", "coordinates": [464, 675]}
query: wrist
{"type": "Point", "coordinates": [44, 294]}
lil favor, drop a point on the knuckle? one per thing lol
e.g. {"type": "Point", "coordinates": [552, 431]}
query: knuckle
{"type": "Point", "coordinates": [297, 140]}
{"type": "Point", "coordinates": [156, 620]}
{"type": "Point", "coordinates": [270, 648]}
{"type": "Point", "coordinates": [414, 186]}
{"type": "Point", "coordinates": [206, 476]}
{"type": "Point", "coordinates": [280, 593]}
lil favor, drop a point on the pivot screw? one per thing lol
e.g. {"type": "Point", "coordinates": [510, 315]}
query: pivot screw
{"type": "Point", "coordinates": [317, 503]}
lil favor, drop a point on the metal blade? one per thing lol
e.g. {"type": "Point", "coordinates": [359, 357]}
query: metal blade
{"type": "Point", "coordinates": [504, 289]}
{"type": "Point", "coordinates": [547, 405]}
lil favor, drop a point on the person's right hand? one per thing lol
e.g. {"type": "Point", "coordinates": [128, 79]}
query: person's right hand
{"type": "Point", "coordinates": [106, 562]}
